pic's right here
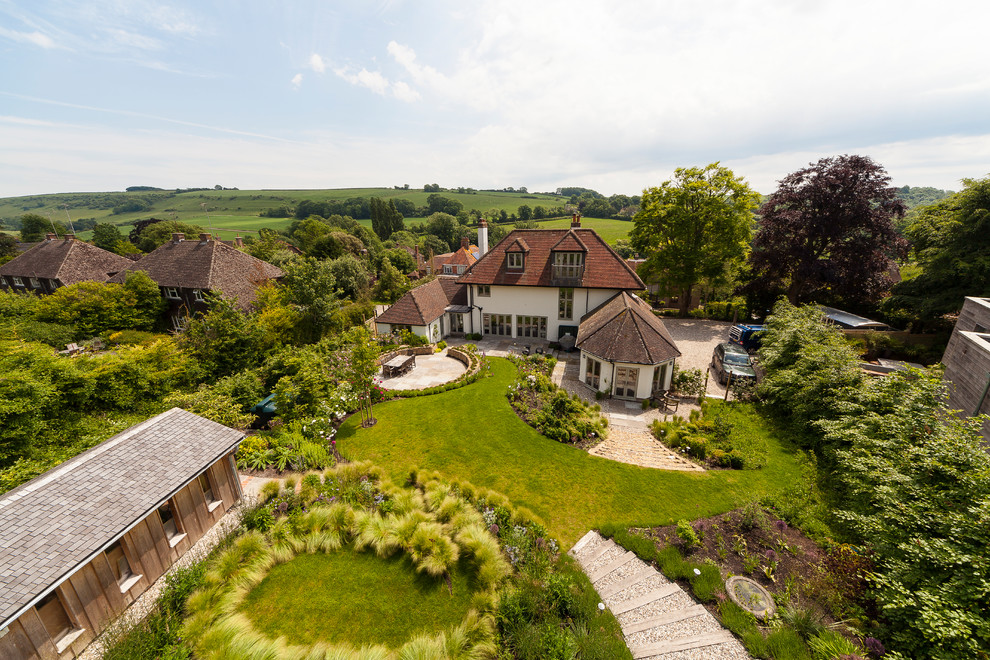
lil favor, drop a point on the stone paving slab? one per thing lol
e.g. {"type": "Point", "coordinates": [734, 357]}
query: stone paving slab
{"type": "Point", "coordinates": [641, 448]}
{"type": "Point", "coordinates": [671, 617]}
{"type": "Point", "coordinates": [430, 371]}
{"type": "Point", "coordinates": [682, 644]}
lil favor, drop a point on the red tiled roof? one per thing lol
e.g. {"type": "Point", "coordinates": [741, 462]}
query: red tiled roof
{"type": "Point", "coordinates": [625, 329]}
{"type": "Point", "coordinates": [603, 268]}
{"type": "Point", "coordinates": [425, 303]}
{"type": "Point", "coordinates": [67, 260]}
{"type": "Point", "coordinates": [462, 258]}
{"type": "Point", "coordinates": [208, 265]}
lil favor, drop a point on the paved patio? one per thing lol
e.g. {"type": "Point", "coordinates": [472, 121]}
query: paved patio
{"type": "Point", "coordinates": [430, 371]}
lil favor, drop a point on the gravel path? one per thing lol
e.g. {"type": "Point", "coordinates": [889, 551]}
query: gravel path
{"type": "Point", "coordinates": [697, 339]}
{"type": "Point", "coordinates": [659, 620]}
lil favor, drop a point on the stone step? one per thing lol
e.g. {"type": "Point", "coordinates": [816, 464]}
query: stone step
{"type": "Point", "coordinates": [645, 599]}
{"type": "Point", "coordinates": [681, 644]}
{"type": "Point", "coordinates": [599, 573]}
{"type": "Point", "coordinates": [589, 557]}
{"type": "Point", "coordinates": [583, 542]}
{"type": "Point", "coordinates": [637, 577]}
{"type": "Point", "coordinates": [664, 619]}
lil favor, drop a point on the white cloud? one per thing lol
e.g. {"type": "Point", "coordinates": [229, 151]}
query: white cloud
{"type": "Point", "coordinates": [297, 80]}
{"type": "Point", "coordinates": [34, 38]}
{"type": "Point", "coordinates": [377, 83]}
{"type": "Point", "coordinates": [404, 92]}
{"type": "Point", "coordinates": [316, 63]}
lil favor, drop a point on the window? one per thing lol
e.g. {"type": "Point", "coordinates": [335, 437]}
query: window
{"type": "Point", "coordinates": [498, 324]}
{"type": "Point", "coordinates": [56, 621]}
{"type": "Point", "coordinates": [179, 323]}
{"type": "Point", "coordinates": [484, 290]}
{"type": "Point", "coordinates": [121, 567]}
{"type": "Point", "coordinates": [18, 281]}
{"type": "Point", "coordinates": [531, 326]}
{"type": "Point", "coordinates": [206, 483]}
{"type": "Point", "coordinates": [626, 379]}
{"type": "Point", "coordinates": [514, 260]}
{"type": "Point", "coordinates": [172, 293]}
{"type": "Point", "coordinates": [979, 329]}
{"type": "Point", "coordinates": [565, 307]}
{"type": "Point", "coordinates": [568, 264]}
{"type": "Point", "coordinates": [198, 295]}
{"type": "Point", "coordinates": [35, 282]}
{"type": "Point", "coordinates": [659, 378]}
{"type": "Point", "coordinates": [457, 323]}
{"type": "Point", "coordinates": [448, 269]}
{"type": "Point", "coordinates": [173, 529]}
{"type": "Point", "coordinates": [461, 269]}
{"type": "Point", "coordinates": [592, 372]}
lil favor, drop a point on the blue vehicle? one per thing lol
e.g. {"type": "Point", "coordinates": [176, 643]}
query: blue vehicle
{"type": "Point", "coordinates": [747, 336]}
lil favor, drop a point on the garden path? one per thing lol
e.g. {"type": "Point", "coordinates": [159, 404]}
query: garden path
{"type": "Point", "coordinates": [658, 619]}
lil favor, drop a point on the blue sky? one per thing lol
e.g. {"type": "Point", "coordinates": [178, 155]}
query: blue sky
{"type": "Point", "coordinates": [612, 95]}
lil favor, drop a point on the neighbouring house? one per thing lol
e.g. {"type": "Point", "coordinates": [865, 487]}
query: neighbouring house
{"type": "Point", "coordinates": [625, 349]}
{"type": "Point", "coordinates": [187, 270]}
{"type": "Point", "coordinates": [967, 362]}
{"type": "Point", "coordinates": [455, 263]}
{"type": "Point", "coordinates": [563, 285]}
{"type": "Point", "coordinates": [81, 542]}
{"type": "Point", "coordinates": [56, 262]}
{"type": "Point", "coordinates": [433, 310]}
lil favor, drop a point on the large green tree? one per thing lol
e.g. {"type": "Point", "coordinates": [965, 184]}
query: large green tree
{"type": "Point", "coordinates": [106, 236]}
{"type": "Point", "coordinates": [312, 291]}
{"type": "Point", "coordinates": [951, 240]}
{"type": "Point", "coordinates": [385, 218]}
{"type": "Point", "coordinates": [827, 232]}
{"type": "Point", "coordinates": [94, 307]}
{"type": "Point", "coordinates": [693, 227]}
{"type": "Point", "coordinates": [34, 227]}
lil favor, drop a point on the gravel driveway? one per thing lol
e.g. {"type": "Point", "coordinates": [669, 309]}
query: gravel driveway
{"type": "Point", "coordinates": [696, 340]}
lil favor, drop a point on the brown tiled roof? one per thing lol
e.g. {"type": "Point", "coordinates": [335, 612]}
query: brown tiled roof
{"type": "Point", "coordinates": [209, 265]}
{"type": "Point", "coordinates": [570, 243]}
{"type": "Point", "coordinates": [57, 522]}
{"type": "Point", "coordinates": [425, 303]}
{"type": "Point", "coordinates": [461, 258]}
{"type": "Point", "coordinates": [625, 329]}
{"type": "Point", "coordinates": [67, 260]}
{"type": "Point", "coordinates": [603, 268]}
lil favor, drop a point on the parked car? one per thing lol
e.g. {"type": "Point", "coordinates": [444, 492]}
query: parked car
{"type": "Point", "coordinates": [747, 336]}
{"type": "Point", "coordinates": [730, 359]}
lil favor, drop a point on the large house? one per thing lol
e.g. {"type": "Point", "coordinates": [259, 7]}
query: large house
{"type": "Point", "coordinates": [564, 285]}
{"type": "Point", "coordinates": [187, 270]}
{"type": "Point", "coordinates": [967, 362]}
{"type": "Point", "coordinates": [56, 262]}
{"type": "Point", "coordinates": [81, 542]}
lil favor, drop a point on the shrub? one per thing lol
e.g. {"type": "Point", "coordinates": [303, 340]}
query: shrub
{"type": "Point", "coordinates": [686, 533]}
{"type": "Point", "coordinates": [56, 335]}
{"type": "Point", "coordinates": [707, 585]}
{"type": "Point", "coordinates": [829, 644]}
{"type": "Point", "coordinates": [689, 382]}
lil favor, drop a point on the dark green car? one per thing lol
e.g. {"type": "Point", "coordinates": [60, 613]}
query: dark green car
{"type": "Point", "coordinates": [730, 359]}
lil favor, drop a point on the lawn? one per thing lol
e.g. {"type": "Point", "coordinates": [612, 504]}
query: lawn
{"type": "Point", "coordinates": [354, 597]}
{"type": "Point", "coordinates": [608, 229]}
{"type": "Point", "coordinates": [472, 434]}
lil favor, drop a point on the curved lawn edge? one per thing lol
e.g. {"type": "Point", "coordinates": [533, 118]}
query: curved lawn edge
{"type": "Point", "coordinates": [472, 433]}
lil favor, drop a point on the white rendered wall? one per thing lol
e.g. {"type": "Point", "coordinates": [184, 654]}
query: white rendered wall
{"type": "Point", "coordinates": [535, 301]}
{"type": "Point", "coordinates": [644, 384]}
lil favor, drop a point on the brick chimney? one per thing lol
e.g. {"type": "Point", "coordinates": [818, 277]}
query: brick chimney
{"type": "Point", "coordinates": [575, 221]}
{"type": "Point", "coordinates": [482, 238]}
{"type": "Point", "coordinates": [50, 237]}
{"type": "Point", "coordinates": [178, 238]}
{"type": "Point", "coordinates": [238, 241]}
{"type": "Point", "coordinates": [69, 238]}
{"type": "Point", "coordinates": [204, 238]}
{"type": "Point", "coordinates": [465, 242]}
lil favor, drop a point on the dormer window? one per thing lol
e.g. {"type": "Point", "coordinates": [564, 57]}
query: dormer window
{"type": "Point", "coordinates": [172, 293]}
{"type": "Point", "coordinates": [568, 264]}
{"type": "Point", "coordinates": [448, 269]}
{"type": "Point", "coordinates": [198, 295]}
{"type": "Point", "coordinates": [514, 260]}
{"type": "Point", "coordinates": [35, 282]}
{"type": "Point", "coordinates": [18, 281]}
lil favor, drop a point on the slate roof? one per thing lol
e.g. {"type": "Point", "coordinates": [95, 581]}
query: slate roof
{"type": "Point", "coordinates": [209, 265]}
{"type": "Point", "coordinates": [58, 521]}
{"type": "Point", "coordinates": [603, 268]}
{"type": "Point", "coordinates": [625, 329]}
{"type": "Point", "coordinates": [426, 303]}
{"type": "Point", "coordinates": [68, 260]}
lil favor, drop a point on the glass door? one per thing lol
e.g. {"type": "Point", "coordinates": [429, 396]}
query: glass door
{"type": "Point", "coordinates": [626, 379]}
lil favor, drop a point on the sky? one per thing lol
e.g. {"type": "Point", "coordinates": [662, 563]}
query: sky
{"type": "Point", "coordinates": [100, 95]}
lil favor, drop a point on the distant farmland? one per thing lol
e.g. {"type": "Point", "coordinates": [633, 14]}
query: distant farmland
{"type": "Point", "coordinates": [237, 212]}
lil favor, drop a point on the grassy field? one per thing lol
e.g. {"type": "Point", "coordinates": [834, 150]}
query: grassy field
{"type": "Point", "coordinates": [354, 597]}
{"type": "Point", "coordinates": [610, 230]}
{"type": "Point", "coordinates": [473, 434]}
{"type": "Point", "coordinates": [231, 210]}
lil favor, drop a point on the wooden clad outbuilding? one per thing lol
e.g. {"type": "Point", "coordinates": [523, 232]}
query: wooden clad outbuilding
{"type": "Point", "coordinates": [81, 542]}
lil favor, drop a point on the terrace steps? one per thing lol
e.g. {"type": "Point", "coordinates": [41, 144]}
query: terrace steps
{"type": "Point", "coordinates": [657, 617]}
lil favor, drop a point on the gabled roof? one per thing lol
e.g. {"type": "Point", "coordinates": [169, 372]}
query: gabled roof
{"type": "Point", "coordinates": [625, 329]}
{"type": "Point", "coordinates": [518, 245]}
{"type": "Point", "coordinates": [67, 260]}
{"type": "Point", "coordinates": [603, 268]}
{"type": "Point", "coordinates": [208, 265]}
{"type": "Point", "coordinates": [426, 303]}
{"type": "Point", "coordinates": [59, 521]}
{"type": "Point", "coordinates": [462, 258]}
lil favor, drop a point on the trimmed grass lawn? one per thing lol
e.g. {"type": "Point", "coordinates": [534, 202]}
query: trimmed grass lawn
{"type": "Point", "coordinates": [354, 597]}
{"type": "Point", "coordinates": [472, 434]}
{"type": "Point", "coordinates": [609, 229]}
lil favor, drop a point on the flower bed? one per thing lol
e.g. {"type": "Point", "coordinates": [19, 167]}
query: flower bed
{"type": "Point", "coordinates": [549, 409]}
{"type": "Point", "coordinates": [715, 436]}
